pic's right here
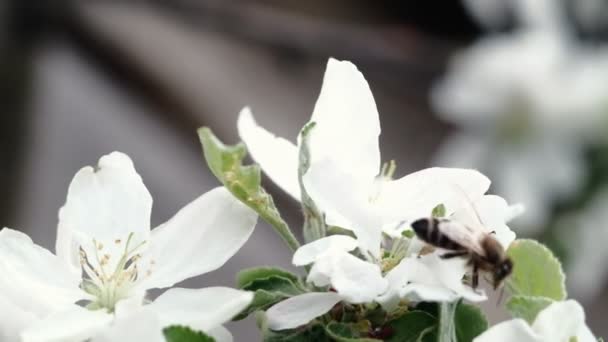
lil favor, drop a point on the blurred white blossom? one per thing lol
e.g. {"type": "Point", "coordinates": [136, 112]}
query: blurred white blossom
{"type": "Point", "coordinates": [528, 102]}
{"type": "Point", "coordinates": [583, 234]}
{"type": "Point", "coordinates": [107, 258]}
{"type": "Point", "coordinates": [558, 322]}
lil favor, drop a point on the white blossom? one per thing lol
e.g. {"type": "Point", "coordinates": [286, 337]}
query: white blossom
{"type": "Point", "coordinates": [583, 234]}
{"type": "Point", "coordinates": [529, 101]}
{"type": "Point", "coordinates": [559, 322]}
{"type": "Point", "coordinates": [346, 183]}
{"type": "Point", "coordinates": [344, 177]}
{"type": "Point", "coordinates": [107, 258]}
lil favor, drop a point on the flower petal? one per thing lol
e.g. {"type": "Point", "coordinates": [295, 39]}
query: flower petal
{"type": "Point", "coordinates": [513, 330]}
{"type": "Point", "coordinates": [356, 280]}
{"type": "Point", "coordinates": [106, 204]}
{"type": "Point", "coordinates": [347, 124]}
{"type": "Point", "coordinates": [200, 238]}
{"type": "Point", "coordinates": [34, 279]}
{"type": "Point", "coordinates": [494, 213]}
{"type": "Point", "coordinates": [204, 309]}
{"type": "Point", "coordinates": [141, 326]}
{"type": "Point", "coordinates": [310, 252]}
{"type": "Point", "coordinates": [561, 321]}
{"type": "Point", "coordinates": [72, 325]}
{"type": "Point", "coordinates": [345, 202]}
{"type": "Point", "coordinates": [264, 148]}
{"type": "Point", "coordinates": [430, 278]}
{"type": "Point", "coordinates": [299, 310]}
{"type": "Point", "coordinates": [415, 195]}
{"type": "Point", "coordinates": [14, 319]}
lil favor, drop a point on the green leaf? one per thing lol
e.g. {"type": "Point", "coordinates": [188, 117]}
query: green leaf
{"type": "Point", "coordinates": [271, 285]}
{"type": "Point", "coordinates": [184, 334]}
{"type": "Point", "coordinates": [343, 332]}
{"type": "Point", "coordinates": [311, 332]}
{"type": "Point", "coordinates": [246, 276]}
{"type": "Point", "coordinates": [536, 271]}
{"type": "Point", "coordinates": [244, 182]}
{"type": "Point", "coordinates": [275, 284]}
{"type": "Point", "coordinates": [262, 300]}
{"type": "Point", "coordinates": [438, 211]}
{"type": "Point", "coordinates": [470, 322]}
{"type": "Point", "coordinates": [527, 307]}
{"type": "Point", "coordinates": [412, 326]}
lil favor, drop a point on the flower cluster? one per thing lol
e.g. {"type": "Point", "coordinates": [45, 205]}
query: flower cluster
{"type": "Point", "coordinates": [375, 262]}
{"type": "Point", "coordinates": [385, 258]}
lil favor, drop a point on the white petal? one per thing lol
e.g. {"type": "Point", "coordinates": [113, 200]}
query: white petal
{"type": "Point", "coordinates": [278, 157]}
{"type": "Point", "coordinates": [345, 201]}
{"type": "Point", "coordinates": [429, 278]}
{"type": "Point", "coordinates": [198, 239]}
{"type": "Point", "coordinates": [299, 310]}
{"type": "Point", "coordinates": [106, 204]}
{"type": "Point", "coordinates": [204, 308]}
{"type": "Point", "coordinates": [494, 213]}
{"type": "Point", "coordinates": [220, 334]}
{"type": "Point", "coordinates": [141, 326]}
{"type": "Point", "coordinates": [416, 194]}
{"type": "Point", "coordinates": [14, 319]}
{"type": "Point", "coordinates": [513, 330]}
{"type": "Point", "coordinates": [33, 278]}
{"type": "Point", "coordinates": [357, 281]}
{"type": "Point", "coordinates": [347, 124]}
{"type": "Point", "coordinates": [321, 271]}
{"type": "Point", "coordinates": [73, 325]}
{"type": "Point", "coordinates": [309, 253]}
{"type": "Point", "coordinates": [560, 321]}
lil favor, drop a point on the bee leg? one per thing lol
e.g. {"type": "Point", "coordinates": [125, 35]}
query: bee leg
{"type": "Point", "coordinates": [475, 276]}
{"type": "Point", "coordinates": [454, 254]}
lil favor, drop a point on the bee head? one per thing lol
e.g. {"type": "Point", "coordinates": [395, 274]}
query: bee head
{"type": "Point", "coordinates": [502, 270]}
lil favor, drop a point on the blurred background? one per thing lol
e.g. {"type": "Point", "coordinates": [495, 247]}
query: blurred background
{"type": "Point", "coordinates": [515, 88]}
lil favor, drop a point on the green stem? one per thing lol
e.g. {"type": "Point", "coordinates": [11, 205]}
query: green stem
{"type": "Point", "coordinates": [284, 232]}
{"type": "Point", "coordinates": [447, 332]}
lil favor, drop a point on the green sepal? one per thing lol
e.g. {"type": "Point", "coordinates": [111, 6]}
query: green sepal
{"type": "Point", "coordinates": [439, 211]}
{"type": "Point", "coordinates": [244, 182]}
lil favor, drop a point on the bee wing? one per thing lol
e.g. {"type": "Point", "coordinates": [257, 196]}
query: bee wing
{"type": "Point", "coordinates": [468, 214]}
{"type": "Point", "coordinates": [462, 234]}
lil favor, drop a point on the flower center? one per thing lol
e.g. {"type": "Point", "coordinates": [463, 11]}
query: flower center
{"type": "Point", "coordinates": [109, 272]}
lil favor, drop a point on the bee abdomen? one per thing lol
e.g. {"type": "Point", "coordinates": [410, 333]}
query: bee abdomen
{"type": "Point", "coordinates": [427, 230]}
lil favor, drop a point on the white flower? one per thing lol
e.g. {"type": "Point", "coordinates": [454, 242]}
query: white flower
{"type": "Point", "coordinates": [529, 101]}
{"type": "Point", "coordinates": [559, 322]}
{"type": "Point", "coordinates": [343, 178]}
{"type": "Point", "coordinates": [584, 234]}
{"type": "Point", "coordinates": [426, 278]}
{"type": "Point", "coordinates": [107, 258]}
{"type": "Point", "coordinates": [344, 181]}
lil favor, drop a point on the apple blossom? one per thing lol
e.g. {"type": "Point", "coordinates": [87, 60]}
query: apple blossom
{"type": "Point", "coordinates": [559, 322]}
{"type": "Point", "coordinates": [107, 258]}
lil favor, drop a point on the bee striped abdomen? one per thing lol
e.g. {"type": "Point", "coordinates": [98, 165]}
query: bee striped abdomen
{"type": "Point", "coordinates": [428, 230]}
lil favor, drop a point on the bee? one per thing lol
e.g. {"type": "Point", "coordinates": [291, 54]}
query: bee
{"type": "Point", "coordinates": [485, 253]}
